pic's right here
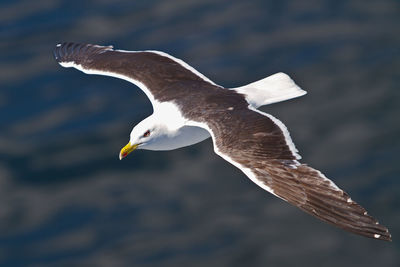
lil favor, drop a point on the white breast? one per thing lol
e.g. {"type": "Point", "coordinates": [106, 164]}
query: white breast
{"type": "Point", "coordinates": [185, 136]}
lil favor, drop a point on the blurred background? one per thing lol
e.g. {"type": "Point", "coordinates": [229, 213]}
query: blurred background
{"type": "Point", "coordinates": [66, 199]}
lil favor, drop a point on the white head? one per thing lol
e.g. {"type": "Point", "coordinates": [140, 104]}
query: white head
{"type": "Point", "coordinates": [146, 135]}
{"type": "Point", "coordinates": [163, 130]}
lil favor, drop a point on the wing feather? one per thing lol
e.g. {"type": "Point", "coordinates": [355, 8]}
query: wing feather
{"type": "Point", "coordinates": [158, 74]}
{"type": "Point", "coordinates": [261, 148]}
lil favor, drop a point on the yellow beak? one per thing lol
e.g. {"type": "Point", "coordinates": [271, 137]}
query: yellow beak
{"type": "Point", "coordinates": [126, 150]}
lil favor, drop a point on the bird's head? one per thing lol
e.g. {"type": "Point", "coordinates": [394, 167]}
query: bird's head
{"type": "Point", "coordinates": [143, 136]}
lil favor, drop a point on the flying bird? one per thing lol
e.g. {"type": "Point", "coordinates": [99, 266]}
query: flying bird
{"type": "Point", "coordinates": [189, 108]}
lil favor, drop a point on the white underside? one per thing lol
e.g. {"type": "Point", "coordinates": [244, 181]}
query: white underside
{"type": "Point", "coordinates": [182, 137]}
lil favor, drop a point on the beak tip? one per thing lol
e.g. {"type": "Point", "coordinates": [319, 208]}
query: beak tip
{"type": "Point", "coordinates": [122, 155]}
{"type": "Point", "coordinates": [126, 150]}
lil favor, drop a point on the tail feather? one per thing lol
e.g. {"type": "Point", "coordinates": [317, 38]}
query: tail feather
{"type": "Point", "coordinates": [275, 88]}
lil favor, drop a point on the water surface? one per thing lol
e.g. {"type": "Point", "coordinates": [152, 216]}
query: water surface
{"type": "Point", "coordinates": [66, 199]}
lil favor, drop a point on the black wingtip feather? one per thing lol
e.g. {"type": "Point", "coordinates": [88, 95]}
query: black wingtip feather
{"type": "Point", "coordinates": [77, 52]}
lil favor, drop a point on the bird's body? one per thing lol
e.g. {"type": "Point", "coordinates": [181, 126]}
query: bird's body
{"type": "Point", "coordinates": [177, 133]}
{"type": "Point", "coordinates": [189, 108]}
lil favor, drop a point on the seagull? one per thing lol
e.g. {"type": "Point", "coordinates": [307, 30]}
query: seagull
{"type": "Point", "coordinates": [189, 108]}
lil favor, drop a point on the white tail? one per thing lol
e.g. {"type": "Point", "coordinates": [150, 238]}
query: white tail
{"type": "Point", "coordinates": [275, 88]}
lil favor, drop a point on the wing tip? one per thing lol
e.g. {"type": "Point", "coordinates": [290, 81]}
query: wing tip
{"type": "Point", "coordinates": [61, 52]}
{"type": "Point", "coordinates": [75, 52]}
{"type": "Point", "coordinates": [384, 235]}
{"type": "Point", "coordinates": [324, 200]}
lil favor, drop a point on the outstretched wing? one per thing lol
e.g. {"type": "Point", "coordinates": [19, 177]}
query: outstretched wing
{"type": "Point", "coordinates": [260, 145]}
{"type": "Point", "coordinates": [152, 71]}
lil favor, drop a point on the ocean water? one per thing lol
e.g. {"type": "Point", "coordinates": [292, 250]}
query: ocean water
{"type": "Point", "coordinates": [66, 199]}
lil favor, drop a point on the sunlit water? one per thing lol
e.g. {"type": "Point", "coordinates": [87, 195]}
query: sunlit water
{"type": "Point", "coordinates": [66, 199]}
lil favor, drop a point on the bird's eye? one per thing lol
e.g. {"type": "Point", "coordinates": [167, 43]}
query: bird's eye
{"type": "Point", "coordinates": [147, 133]}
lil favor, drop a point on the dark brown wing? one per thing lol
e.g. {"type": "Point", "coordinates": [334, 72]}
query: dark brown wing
{"type": "Point", "coordinates": [315, 194]}
{"type": "Point", "coordinates": [152, 71]}
{"type": "Point", "coordinates": [261, 147]}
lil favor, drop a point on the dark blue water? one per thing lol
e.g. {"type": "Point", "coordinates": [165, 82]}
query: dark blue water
{"type": "Point", "coordinates": [66, 199]}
